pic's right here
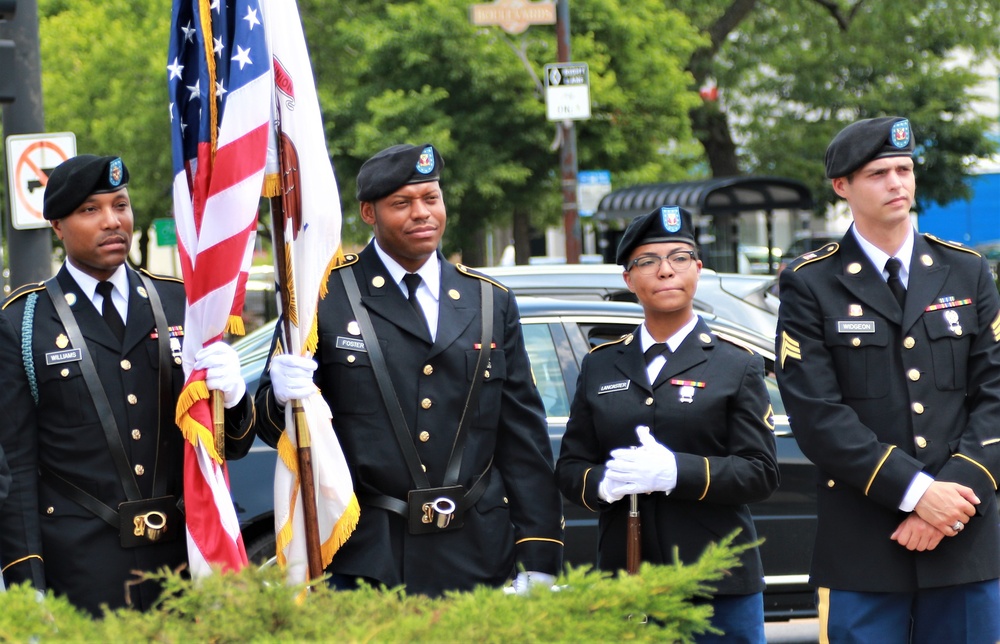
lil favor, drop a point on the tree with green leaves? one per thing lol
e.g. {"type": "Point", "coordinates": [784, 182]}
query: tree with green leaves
{"type": "Point", "coordinates": [792, 73]}
{"type": "Point", "coordinates": [417, 72]}
{"type": "Point", "coordinates": [104, 79]}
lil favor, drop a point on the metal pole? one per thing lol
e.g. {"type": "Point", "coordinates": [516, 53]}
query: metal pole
{"type": "Point", "coordinates": [29, 252]}
{"type": "Point", "coordinates": [567, 151]}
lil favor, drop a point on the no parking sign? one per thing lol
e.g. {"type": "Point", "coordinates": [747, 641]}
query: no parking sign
{"type": "Point", "coordinates": [30, 159]}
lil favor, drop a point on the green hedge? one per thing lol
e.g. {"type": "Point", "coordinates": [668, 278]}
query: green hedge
{"type": "Point", "coordinates": [256, 605]}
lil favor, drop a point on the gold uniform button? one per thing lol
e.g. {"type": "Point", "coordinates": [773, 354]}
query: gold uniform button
{"type": "Point", "coordinates": [486, 374]}
{"type": "Point", "coordinates": [913, 375]}
{"type": "Point", "coordinates": [428, 370]}
{"type": "Point", "coordinates": [909, 342]}
{"type": "Point", "coordinates": [140, 470]}
{"type": "Point", "coordinates": [177, 360]}
{"type": "Point", "coordinates": [126, 365]}
{"type": "Point", "coordinates": [854, 268]}
{"type": "Point", "coordinates": [64, 373]}
{"type": "Point", "coordinates": [856, 342]}
{"type": "Point", "coordinates": [351, 359]}
{"type": "Point", "coordinates": [49, 510]}
{"type": "Point", "coordinates": [423, 467]}
{"type": "Point", "coordinates": [918, 408]}
{"type": "Point", "coordinates": [136, 434]}
{"type": "Point", "coordinates": [132, 399]}
{"type": "Point", "coordinates": [831, 483]}
{"type": "Point", "coordinates": [649, 401]}
{"type": "Point", "coordinates": [424, 437]}
{"type": "Point", "coordinates": [505, 500]}
{"type": "Point", "coordinates": [426, 403]}
{"type": "Point", "coordinates": [920, 441]}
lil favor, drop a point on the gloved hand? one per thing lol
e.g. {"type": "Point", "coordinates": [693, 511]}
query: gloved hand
{"type": "Point", "coordinates": [651, 467]}
{"type": "Point", "coordinates": [612, 491]}
{"type": "Point", "coordinates": [528, 579]}
{"type": "Point", "coordinates": [292, 377]}
{"type": "Point", "coordinates": [222, 371]}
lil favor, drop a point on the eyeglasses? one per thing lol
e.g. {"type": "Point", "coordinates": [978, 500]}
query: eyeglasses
{"type": "Point", "coordinates": [680, 261]}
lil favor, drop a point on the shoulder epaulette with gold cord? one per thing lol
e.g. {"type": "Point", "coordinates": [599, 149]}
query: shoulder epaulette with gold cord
{"type": "Point", "coordinates": [627, 338]}
{"type": "Point", "coordinates": [465, 270]}
{"type": "Point", "coordinates": [734, 342]}
{"type": "Point", "coordinates": [951, 244]}
{"type": "Point", "coordinates": [814, 256]}
{"type": "Point", "coordinates": [347, 260]}
{"type": "Point", "coordinates": [162, 278]}
{"type": "Point", "coordinates": [23, 290]}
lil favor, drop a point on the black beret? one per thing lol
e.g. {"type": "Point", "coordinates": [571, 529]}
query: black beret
{"type": "Point", "coordinates": [398, 166]}
{"type": "Point", "coordinates": [862, 141]}
{"type": "Point", "coordinates": [665, 224]}
{"type": "Point", "coordinates": [75, 179]}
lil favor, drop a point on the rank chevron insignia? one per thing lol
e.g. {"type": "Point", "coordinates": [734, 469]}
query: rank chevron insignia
{"type": "Point", "coordinates": [791, 349]}
{"type": "Point", "coordinates": [995, 325]}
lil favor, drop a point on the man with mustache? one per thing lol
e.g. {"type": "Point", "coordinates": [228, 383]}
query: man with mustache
{"type": "Point", "coordinates": [89, 381]}
{"type": "Point", "coordinates": [501, 513]}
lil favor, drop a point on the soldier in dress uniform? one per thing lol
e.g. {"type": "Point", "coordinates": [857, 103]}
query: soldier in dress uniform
{"type": "Point", "coordinates": [889, 366]}
{"type": "Point", "coordinates": [88, 390]}
{"type": "Point", "coordinates": [679, 417]}
{"type": "Point", "coordinates": [430, 352]}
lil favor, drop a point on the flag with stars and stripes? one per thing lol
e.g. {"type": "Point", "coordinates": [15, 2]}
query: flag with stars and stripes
{"type": "Point", "coordinates": [300, 176]}
{"type": "Point", "coordinates": [219, 78]}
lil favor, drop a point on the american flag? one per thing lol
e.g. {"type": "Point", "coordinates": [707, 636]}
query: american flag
{"type": "Point", "coordinates": [219, 79]}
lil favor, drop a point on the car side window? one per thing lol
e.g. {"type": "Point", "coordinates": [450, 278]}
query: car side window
{"type": "Point", "coordinates": [545, 369]}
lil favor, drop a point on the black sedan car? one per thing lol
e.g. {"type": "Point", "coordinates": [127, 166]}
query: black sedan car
{"type": "Point", "coordinates": [558, 334]}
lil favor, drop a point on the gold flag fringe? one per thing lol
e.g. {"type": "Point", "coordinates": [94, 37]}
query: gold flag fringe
{"type": "Point", "coordinates": [234, 326]}
{"type": "Point", "coordinates": [293, 314]}
{"type": "Point", "coordinates": [191, 429]}
{"type": "Point", "coordinates": [272, 185]}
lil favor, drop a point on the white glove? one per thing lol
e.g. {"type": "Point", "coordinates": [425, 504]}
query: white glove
{"type": "Point", "coordinates": [649, 468]}
{"type": "Point", "coordinates": [611, 491]}
{"type": "Point", "coordinates": [222, 371]}
{"type": "Point", "coordinates": [292, 377]}
{"type": "Point", "coordinates": [528, 579]}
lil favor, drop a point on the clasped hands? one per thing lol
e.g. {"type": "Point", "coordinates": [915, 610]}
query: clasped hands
{"type": "Point", "coordinates": [650, 467]}
{"type": "Point", "coordinates": [941, 512]}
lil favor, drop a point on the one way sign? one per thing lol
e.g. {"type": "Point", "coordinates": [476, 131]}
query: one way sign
{"type": "Point", "coordinates": [30, 159]}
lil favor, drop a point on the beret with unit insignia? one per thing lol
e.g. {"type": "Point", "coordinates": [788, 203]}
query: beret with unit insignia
{"type": "Point", "coordinates": [665, 224]}
{"type": "Point", "coordinates": [398, 166]}
{"type": "Point", "coordinates": [76, 178]}
{"type": "Point", "coordinates": [865, 140]}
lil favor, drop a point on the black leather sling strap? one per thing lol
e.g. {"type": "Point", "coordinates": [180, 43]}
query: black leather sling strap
{"type": "Point", "coordinates": [104, 410]}
{"type": "Point", "coordinates": [392, 406]}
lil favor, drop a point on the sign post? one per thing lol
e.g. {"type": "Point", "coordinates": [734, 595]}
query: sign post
{"type": "Point", "coordinates": [30, 159]}
{"type": "Point", "coordinates": [567, 91]}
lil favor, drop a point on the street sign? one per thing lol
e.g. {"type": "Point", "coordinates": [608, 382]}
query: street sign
{"type": "Point", "coordinates": [513, 16]}
{"type": "Point", "coordinates": [591, 186]}
{"type": "Point", "coordinates": [567, 91]}
{"type": "Point", "coordinates": [30, 159]}
{"type": "Point", "coordinates": [166, 231]}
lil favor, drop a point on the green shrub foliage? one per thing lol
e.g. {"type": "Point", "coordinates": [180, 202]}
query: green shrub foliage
{"type": "Point", "coordinates": [658, 604]}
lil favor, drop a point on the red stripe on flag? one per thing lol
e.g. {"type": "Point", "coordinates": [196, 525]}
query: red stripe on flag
{"type": "Point", "coordinates": [228, 253]}
{"type": "Point", "coordinates": [235, 161]}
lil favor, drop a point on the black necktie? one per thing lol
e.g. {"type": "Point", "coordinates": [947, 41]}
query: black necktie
{"type": "Point", "coordinates": [660, 348]}
{"type": "Point", "coordinates": [895, 284]}
{"type": "Point", "coordinates": [412, 281]}
{"type": "Point", "coordinates": [110, 311]}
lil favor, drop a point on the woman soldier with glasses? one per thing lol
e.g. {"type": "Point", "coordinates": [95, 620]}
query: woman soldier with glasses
{"type": "Point", "coordinates": [678, 417]}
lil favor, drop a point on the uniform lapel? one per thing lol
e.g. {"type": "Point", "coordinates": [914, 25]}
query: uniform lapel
{"type": "Point", "coordinates": [88, 318]}
{"type": "Point", "coordinates": [460, 303]}
{"type": "Point", "coordinates": [927, 277]}
{"type": "Point", "coordinates": [689, 354]}
{"type": "Point", "coordinates": [631, 362]}
{"type": "Point", "coordinates": [383, 297]}
{"type": "Point", "coordinates": [864, 280]}
{"type": "Point", "coordinates": [140, 313]}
